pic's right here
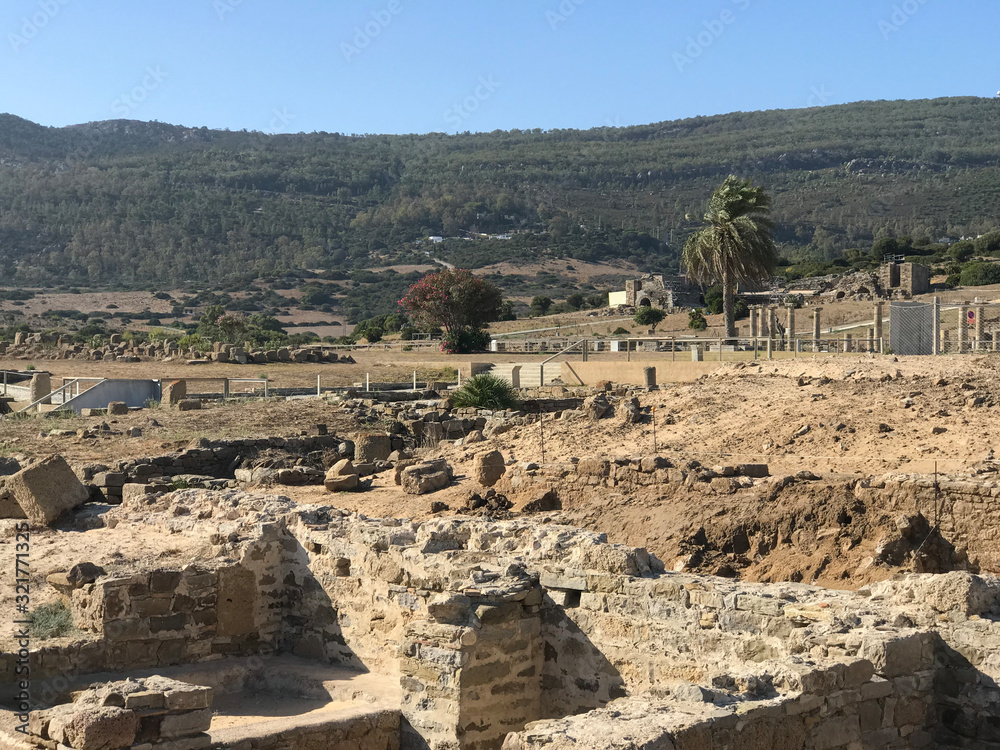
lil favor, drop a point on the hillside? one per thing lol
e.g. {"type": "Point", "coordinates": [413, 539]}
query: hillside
{"type": "Point", "coordinates": [131, 204]}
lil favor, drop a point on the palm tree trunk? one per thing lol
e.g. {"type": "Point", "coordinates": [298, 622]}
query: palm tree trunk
{"type": "Point", "coordinates": [728, 304]}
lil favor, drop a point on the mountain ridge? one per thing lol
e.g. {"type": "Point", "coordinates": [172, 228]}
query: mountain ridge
{"type": "Point", "coordinates": [133, 203]}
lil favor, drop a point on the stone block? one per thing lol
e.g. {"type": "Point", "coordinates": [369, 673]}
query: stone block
{"type": "Point", "coordinates": [488, 467]}
{"type": "Point", "coordinates": [189, 404]}
{"type": "Point", "coordinates": [754, 471]}
{"type": "Point", "coordinates": [372, 447]}
{"type": "Point", "coordinates": [597, 467]}
{"type": "Point", "coordinates": [46, 490]}
{"type": "Point", "coordinates": [93, 728]}
{"type": "Point", "coordinates": [894, 655]}
{"type": "Point", "coordinates": [173, 392]}
{"type": "Point", "coordinates": [186, 724]}
{"type": "Point", "coordinates": [117, 409]}
{"type": "Point", "coordinates": [237, 601]}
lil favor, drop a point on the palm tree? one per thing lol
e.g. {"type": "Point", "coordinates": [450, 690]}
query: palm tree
{"type": "Point", "coordinates": [736, 245]}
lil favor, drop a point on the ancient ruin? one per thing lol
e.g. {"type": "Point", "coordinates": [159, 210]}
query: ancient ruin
{"type": "Point", "coordinates": [265, 612]}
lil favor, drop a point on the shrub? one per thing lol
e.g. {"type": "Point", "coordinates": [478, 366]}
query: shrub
{"type": "Point", "coordinates": [619, 331]}
{"type": "Point", "coordinates": [696, 320]}
{"type": "Point", "coordinates": [485, 391]}
{"type": "Point", "coordinates": [50, 621]}
{"type": "Point", "coordinates": [980, 274]}
{"type": "Point", "coordinates": [465, 340]}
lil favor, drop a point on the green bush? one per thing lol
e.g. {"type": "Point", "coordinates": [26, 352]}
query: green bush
{"type": "Point", "coordinates": [980, 274]}
{"type": "Point", "coordinates": [50, 621]}
{"type": "Point", "coordinates": [485, 391]}
{"type": "Point", "coordinates": [696, 320]}
{"type": "Point", "coordinates": [619, 331]}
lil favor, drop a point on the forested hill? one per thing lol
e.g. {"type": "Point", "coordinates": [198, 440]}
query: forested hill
{"type": "Point", "coordinates": [146, 204]}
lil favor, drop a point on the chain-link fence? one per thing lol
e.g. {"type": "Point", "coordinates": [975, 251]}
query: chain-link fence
{"type": "Point", "coordinates": [943, 328]}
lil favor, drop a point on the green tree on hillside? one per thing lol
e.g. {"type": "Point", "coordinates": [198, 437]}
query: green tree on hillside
{"type": "Point", "coordinates": [736, 245]}
{"type": "Point", "coordinates": [649, 316]}
{"type": "Point", "coordinates": [457, 301]}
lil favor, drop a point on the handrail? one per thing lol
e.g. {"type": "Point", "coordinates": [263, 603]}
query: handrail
{"type": "Point", "coordinates": [48, 396]}
{"type": "Point", "coordinates": [541, 367]}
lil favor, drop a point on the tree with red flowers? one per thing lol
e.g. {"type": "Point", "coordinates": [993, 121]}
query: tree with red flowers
{"type": "Point", "coordinates": [457, 301]}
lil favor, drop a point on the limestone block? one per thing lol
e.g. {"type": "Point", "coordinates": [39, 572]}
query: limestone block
{"type": "Point", "coordinates": [416, 483]}
{"type": "Point", "coordinates": [46, 490]}
{"type": "Point", "coordinates": [237, 600]}
{"type": "Point", "coordinates": [189, 404]}
{"type": "Point", "coordinates": [488, 468]}
{"type": "Point", "coordinates": [597, 467]}
{"type": "Point", "coordinates": [183, 725]}
{"type": "Point", "coordinates": [342, 477]}
{"type": "Point", "coordinates": [894, 655]}
{"type": "Point", "coordinates": [173, 392]}
{"type": "Point", "coordinates": [117, 409]}
{"type": "Point", "coordinates": [94, 728]}
{"type": "Point", "coordinates": [372, 447]}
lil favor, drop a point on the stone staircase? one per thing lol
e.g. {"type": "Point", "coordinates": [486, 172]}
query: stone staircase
{"type": "Point", "coordinates": [529, 374]}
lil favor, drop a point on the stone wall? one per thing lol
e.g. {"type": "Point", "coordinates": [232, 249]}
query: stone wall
{"type": "Point", "coordinates": [966, 509]}
{"type": "Point", "coordinates": [492, 626]}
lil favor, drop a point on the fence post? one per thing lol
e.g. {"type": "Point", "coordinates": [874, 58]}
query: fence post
{"type": "Point", "coordinates": [936, 326]}
{"type": "Point", "coordinates": [770, 354]}
{"type": "Point", "coordinates": [963, 329]}
{"type": "Point", "coordinates": [267, 390]}
{"type": "Point", "coordinates": [318, 391]}
{"type": "Point", "coordinates": [720, 349]}
{"type": "Point", "coordinates": [673, 348]}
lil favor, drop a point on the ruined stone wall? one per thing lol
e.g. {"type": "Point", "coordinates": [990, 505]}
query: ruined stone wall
{"type": "Point", "coordinates": [373, 731]}
{"type": "Point", "coordinates": [491, 626]}
{"type": "Point", "coordinates": [968, 511]}
{"type": "Point", "coordinates": [843, 707]}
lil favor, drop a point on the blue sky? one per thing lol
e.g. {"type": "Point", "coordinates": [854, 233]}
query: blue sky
{"type": "Point", "coordinates": [415, 66]}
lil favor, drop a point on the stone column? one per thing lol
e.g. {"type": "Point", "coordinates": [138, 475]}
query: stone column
{"type": "Point", "coordinates": [963, 328]}
{"type": "Point", "coordinates": [816, 332]}
{"type": "Point", "coordinates": [878, 322]}
{"type": "Point", "coordinates": [772, 321]}
{"type": "Point", "coordinates": [848, 344]}
{"type": "Point", "coordinates": [936, 326]}
{"type": "Point", "coordinates": [41, 385]}
{"type": "Point", "coordinates": [980, 327]}
{"type": "Point", "coordinates": [753, 322]}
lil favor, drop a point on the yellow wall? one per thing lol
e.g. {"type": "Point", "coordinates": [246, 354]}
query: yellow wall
{"type": "Point", "coordinates": [589, 373]}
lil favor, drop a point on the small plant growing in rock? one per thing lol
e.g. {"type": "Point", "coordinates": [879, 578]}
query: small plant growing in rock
{"type": "Point", "coordinates": [485, 391]}
{"type": "Point", "coordinates": [50, 621]}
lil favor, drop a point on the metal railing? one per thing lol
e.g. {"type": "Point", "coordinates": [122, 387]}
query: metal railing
{"type": "Point", "coordinates": [721, 348]}
{"type": "Point", "coordinates": [60, 391]}
{"type": "Point", "coordinates": [571, 347]}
